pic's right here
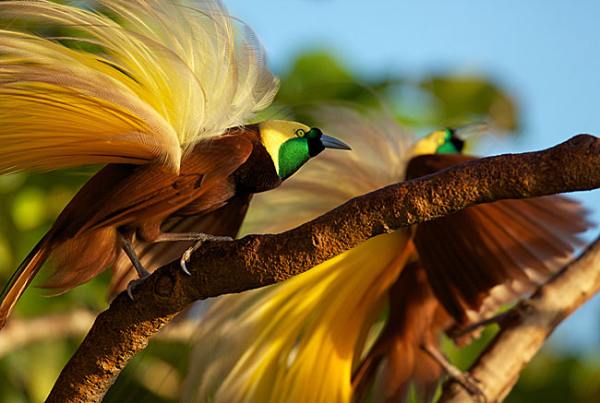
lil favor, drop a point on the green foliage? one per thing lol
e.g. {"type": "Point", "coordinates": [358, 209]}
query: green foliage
{"type": "Point", "coordinates": [431, 101]}
{"type": "Point", "coordinates": [317, 77]}
{"type": "Point", "coordinates": [460, 99]}
{"type": "Point", "coordinates": [553, 377]}
{"type": "Point", "coordinates": [29, 203]}
{"type": "Point", "coordinates": [154, 376]}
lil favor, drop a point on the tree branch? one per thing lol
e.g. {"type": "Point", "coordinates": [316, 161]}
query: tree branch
{"type": "Point", "coordinates": [527, 326]}
{"type": "Point", "coordinates": [258, 260]}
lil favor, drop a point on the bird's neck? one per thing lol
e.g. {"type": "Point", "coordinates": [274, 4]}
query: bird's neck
{"type": "Point", "coordinates": [258, 173]}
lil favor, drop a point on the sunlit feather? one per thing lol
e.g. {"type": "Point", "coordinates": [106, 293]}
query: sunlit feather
{"type": "Point", "coordinates": [299, 338]}
{"type": "Point", "coordinates": [163, 76]}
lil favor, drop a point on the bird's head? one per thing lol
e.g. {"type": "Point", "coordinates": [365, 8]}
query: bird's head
{"type": "Point", "coordinates": [291, 144]}
{"type": "Point", "coordinates": [439, 142]}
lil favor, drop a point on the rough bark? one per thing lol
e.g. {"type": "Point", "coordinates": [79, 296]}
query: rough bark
{"type": "Point", "coordinates": [257, 260]}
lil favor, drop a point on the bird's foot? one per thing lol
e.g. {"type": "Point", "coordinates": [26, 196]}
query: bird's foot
{"type": "Point", "coordinates": [467, 381]}
{"type": "Point", "coordinates": [134, 283]}
{"type": "Point", "coordinates": [185, 257]}
{"type": "Point", "coordinates": [471, 385]}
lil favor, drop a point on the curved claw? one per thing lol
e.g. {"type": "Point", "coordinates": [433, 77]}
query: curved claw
{"type": "Point", "coordinates": [133, 284]}
{"type": "Point", "coordinates": [185, 257]}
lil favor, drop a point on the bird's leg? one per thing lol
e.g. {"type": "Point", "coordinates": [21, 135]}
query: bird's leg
{"type": "Point", "coordinates": [464, 379]}
{"type": "Point", "coordinates": [199, 237]}
{"type": "Point", "coordinates": [139, 268]}
{"type": "Point", "coordinates": [499, 318]}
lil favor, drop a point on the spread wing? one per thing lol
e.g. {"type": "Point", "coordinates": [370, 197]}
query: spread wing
{"type": "Point", "coordinates": [491, 254]}
{"type": "Point", "coordinates": [272, 325]}
{"type": "Point", "coordinates": [139, 81]}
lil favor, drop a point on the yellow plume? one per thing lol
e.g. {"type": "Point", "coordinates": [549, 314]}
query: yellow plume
{"type": "Point", "coordinates": [296, 342]}
{"type": "Point", "coordinates": [165, 75]}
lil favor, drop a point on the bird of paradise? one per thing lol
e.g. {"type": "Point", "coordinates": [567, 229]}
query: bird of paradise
{"type": "Point", "coordinates": [355, 324]}
{"type": "Point", "coordinates": [162, 93]}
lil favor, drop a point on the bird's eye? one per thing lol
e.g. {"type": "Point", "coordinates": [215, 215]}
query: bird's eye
{"type": "Point", "coordinates": [300, 132]}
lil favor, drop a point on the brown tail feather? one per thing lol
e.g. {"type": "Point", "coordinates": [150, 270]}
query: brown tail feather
{"type": "Point", "coordinates": [396, 359]}
{"type": "Point", "coordinates": [21, 278]}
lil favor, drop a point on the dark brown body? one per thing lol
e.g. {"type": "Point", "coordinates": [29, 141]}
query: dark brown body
{"type": "Point", "coordinates": [134, 201]}
{"type": "Point", "coordinates": [459, 260]}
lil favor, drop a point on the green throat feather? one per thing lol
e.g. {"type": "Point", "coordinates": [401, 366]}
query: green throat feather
{"type": "Point", "coordinates": [292, 155]}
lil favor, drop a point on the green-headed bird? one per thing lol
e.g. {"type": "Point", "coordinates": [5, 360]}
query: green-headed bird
{"type": "Point", "coordinates": [160, 92]}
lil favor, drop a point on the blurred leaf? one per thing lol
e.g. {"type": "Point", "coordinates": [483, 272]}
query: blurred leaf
{"type": "Point", "coordinates": [434, 101]}
{"type": "Point", "coordinates": [318, 76]}
{"type": "Point", "coordinates": [463, 357]}
{"type": "Point", "coordinates": [463, 99]}
{"type": "Point", "coordinates": [28, 208]}
{"type": "Point", "coordinates": [37, 367]}
{"type": "Point", "coordinates": [554, 378]}
{"type": "Point", "coordinates": [10, 182]}
{"type": "Point", "coordinates": [5, 252]}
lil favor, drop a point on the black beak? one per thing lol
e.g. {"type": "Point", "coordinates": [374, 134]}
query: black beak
{"type": "Point", "coordinates": [332, 142]}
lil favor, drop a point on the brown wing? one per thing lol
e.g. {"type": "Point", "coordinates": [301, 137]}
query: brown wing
{"type": "Point", "coordinates": [472, 261]}
{"type": "Point", "coordinates": [149, 190]}
{"type": "Point", "coordinates": [515, 244]}
{"type": "Point", "coordinates": [225, 221]}
{"type": "Point", "coordinates": [84, 240]}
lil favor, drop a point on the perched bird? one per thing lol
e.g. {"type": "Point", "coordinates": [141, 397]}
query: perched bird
{"type": "Point", "coordinates": [160, 92]}
{"type": "Point", "coordinates": [353, 327]}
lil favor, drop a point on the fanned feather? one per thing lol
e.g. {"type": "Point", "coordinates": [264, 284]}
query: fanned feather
{"type": "Point", "coordinates": [166, 74]}
{"type": "Point", "coordinates": [493, 254]}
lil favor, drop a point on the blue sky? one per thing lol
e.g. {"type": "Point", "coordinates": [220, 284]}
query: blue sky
{"type": "Point", "coordinates": [545, 53]}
